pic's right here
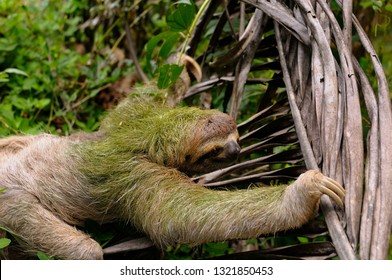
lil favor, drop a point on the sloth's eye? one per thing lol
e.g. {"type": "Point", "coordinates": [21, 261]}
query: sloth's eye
{"type": "Point", "coordinates": [215, 151]}
{"type": "Point", "coordinates": [211, 154]}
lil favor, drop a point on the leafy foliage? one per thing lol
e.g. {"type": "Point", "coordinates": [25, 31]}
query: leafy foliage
{"type": "Point", "coordinates": [58, 77]}
{"type": "Point", "coordinates": [179, 19]}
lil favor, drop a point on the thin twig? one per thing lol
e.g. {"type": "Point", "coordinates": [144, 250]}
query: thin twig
{"type": "Point", "coordinates": [133, 54]}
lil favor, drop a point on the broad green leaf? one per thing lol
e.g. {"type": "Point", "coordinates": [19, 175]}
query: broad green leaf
{"type": "Point", "coordinates": [168, 45]}
{"type": "Point", "coordinates": [168, 74]}
{"type": "Point", "coordinates": [15, 71]}
{"type": "Point", "coordinates": [4, 242]}
{"type": "Point", "coordinates": [181, 16]}
{"type": "Point", "coordinates": [168, 40]}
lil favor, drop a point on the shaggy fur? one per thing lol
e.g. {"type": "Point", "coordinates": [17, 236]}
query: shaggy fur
{"type": "Point", "coordinates": [136, 169]}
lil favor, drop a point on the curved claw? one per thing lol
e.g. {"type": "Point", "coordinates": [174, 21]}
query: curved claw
{"type": "Point", "coordinates": [333, 189]}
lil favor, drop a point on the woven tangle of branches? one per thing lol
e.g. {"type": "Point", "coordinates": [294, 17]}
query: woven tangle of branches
{"type": "Point", "coordinates": [317, 88]}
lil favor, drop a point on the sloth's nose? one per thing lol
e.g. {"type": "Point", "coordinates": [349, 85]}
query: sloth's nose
{"type": "Point", "coordinates": [232, 149]}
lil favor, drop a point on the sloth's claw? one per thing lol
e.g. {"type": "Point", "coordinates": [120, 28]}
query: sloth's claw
{"type": "Point", "coordinates": [314, 179]}
{"type": "Point", "coordinates": [333, 189]}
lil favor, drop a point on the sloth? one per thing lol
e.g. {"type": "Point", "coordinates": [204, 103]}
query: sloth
{"type": "Point", "coordinates": [137, 169]}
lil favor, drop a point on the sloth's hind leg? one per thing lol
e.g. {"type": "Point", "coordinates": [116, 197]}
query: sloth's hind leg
{"type": "Point", "coordinates": [38, 228]}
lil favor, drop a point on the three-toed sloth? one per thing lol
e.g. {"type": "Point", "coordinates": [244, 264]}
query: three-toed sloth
{"type": "Point", "coordinates": [136, 169]}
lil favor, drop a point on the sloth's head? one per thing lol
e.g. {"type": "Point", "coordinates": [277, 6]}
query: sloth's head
{"type": "Point", "coordinates": [186, 138]}
{"type": "Point", "coordinates": [212, 144]}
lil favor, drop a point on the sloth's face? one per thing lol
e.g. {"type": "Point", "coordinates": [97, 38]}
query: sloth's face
{"type": "Point", "coordinates": [214, 145]}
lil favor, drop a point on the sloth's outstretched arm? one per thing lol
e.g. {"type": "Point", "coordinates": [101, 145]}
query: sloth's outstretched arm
{"type": "Point", "coordinates": [171, 209]}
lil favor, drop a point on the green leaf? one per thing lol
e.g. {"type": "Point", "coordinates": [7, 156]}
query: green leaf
{"type": "Point", "coordinates": [181, 16]}
{"type": "Point", "coordinates": [3, 77]}
{"type": "Point", "coordinates": [4, 74]}
{"type": "Point", "coordinates": [303, 240]}
{"type": "Point", "coordinates": [168, 45]}
{"type": "Point", "coordinates": [15, 71]}
{"type": "Point", "coordinates": [21, 103]}
{"type": "Point", "coordinates": [42, 103]}
{"type": "Point", "coordinates": [366, 4]}
{"type": "Point", "coordinates": [168, 74]}
{"type": "Point", "coordinates": [168, 40]}
{"type": "Point", "coordinates": [4, 242]}
{"type": "Point", "coordinates": [388, 7]}
{"type": "Point", "coordinates": [6, 112]}
{"type": "Point", "coordinates": [43, 256]}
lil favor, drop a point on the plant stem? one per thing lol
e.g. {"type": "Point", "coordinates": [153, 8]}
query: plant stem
{"type": "Point", "coordinates": [192, 28]}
